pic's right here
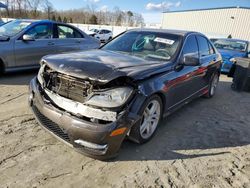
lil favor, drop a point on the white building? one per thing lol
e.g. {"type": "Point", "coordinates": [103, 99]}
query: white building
{"type": "Point", "coordinates": [214, 22]}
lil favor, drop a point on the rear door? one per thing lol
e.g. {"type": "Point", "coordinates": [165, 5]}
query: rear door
{"type": "Point", "coordinates": [29, 53]}
{"type": "Point", "coordinates": [207, 60]}
{"type": "Point", "coordinates": [68, 39]}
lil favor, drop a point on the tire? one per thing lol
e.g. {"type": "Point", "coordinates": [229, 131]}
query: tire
{"type": "Point", "coordinates": [139, 133]}
{"type": "Point", "coordinates": [212, 86]}
{"type": "Point", "coordinates": [2, 70]}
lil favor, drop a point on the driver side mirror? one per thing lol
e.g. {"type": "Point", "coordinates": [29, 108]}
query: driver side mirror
{"type": "Point", "coordinates": [190, 60]}
{"type": "Point", "coordinates": [28, 38]}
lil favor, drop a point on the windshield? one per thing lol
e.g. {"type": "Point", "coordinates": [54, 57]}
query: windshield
{"type": "Point", "coordinates": [231, 45]}
{"type": "Point", "coordinates": [147, 45]}
{"type": "Point", "coordinates": [12, 28]}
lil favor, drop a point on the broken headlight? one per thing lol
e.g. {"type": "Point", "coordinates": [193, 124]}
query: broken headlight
{"type": "Point", "coordinates": [111, 98]}
{"type": "Point", "coordinates": [39, 75]}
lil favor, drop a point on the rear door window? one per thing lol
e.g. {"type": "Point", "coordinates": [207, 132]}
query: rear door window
{"type": "Point", "coordinates": [65, 32]}
{"type": "Point", "coordinates": [211, 48]}
{"type": "Point", "coordinates": [203, 46]}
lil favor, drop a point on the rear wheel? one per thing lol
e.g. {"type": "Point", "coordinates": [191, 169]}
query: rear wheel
{"type": "Point", "coordinates": [151, 113]}
{"type": "Point", "coordinates": [213, 86]}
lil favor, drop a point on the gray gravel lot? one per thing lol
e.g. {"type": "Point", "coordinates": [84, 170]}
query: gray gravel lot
{"type": "Point", "coordinates": [204, 144]}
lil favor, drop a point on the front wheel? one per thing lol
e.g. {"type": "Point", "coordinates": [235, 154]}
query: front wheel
{"type": "Point", "coordinates": [151, 114]}
{"type": "Point", "coordinates": [213, 86]}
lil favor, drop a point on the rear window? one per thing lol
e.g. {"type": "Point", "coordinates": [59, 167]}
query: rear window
{"type": "Point", "coordinates": [227, 44]}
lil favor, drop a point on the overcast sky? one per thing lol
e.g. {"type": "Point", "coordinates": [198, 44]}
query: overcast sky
{"type": "Point", "coordinates": [150, 9]}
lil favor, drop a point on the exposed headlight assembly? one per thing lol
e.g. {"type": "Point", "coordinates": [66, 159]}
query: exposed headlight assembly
{"type": "Point", "coordinates": [111, 98]}
{"type": "Point", "coordinates": [39, 75]}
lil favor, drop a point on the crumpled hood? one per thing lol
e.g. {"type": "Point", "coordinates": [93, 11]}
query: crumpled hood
{"type": "Point", "coordinates": [228, 54]}
{"type": "Point", "coordinates": [103, 66]}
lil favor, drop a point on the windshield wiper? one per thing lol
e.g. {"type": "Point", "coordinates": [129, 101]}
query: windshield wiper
{"type": "Point", "coordinates": [161, 58]}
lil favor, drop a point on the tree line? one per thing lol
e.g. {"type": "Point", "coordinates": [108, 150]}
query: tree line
{"type": "Point", "coordinates": [44, 9]}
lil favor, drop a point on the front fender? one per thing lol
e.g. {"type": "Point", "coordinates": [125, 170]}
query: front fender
{"type": "Point", "coordinates": [7, 54]}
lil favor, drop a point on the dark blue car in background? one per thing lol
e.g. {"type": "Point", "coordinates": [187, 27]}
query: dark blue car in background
{"type": "Point", "coordinates": [231, 49]}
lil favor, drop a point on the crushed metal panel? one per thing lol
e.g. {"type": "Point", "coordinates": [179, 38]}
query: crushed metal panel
{"type": "Point", "coordinates": [78, 108]}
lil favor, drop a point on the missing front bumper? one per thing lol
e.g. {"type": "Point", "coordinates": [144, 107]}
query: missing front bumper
{"type": "Point", "coordinates": [97, 140]}
{"type": "Point", "coordinates": [83, 110]}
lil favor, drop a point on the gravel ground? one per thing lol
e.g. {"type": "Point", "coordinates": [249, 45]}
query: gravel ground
{"type": "Point", "coordinates": [204, 144]}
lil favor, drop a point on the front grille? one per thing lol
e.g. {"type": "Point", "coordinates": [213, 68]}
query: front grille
{"type": "Point", "coordinates": [66, 86]}
{"type": "Point", "coordinates": [50, 125]}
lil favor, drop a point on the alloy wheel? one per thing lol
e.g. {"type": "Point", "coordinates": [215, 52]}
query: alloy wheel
{"type": "Point", "coordinates": [150, 119]}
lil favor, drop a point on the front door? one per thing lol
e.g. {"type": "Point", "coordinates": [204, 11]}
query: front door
{"type": "Point", "coordinates": [183, 83]}
{"type": "Point", "coordinates": [29, 53]}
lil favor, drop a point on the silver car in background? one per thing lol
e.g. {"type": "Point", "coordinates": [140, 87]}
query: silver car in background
{"type": "Point", "coordinates": [24, 42]}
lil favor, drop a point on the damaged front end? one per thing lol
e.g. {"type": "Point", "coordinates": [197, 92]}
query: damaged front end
{"type": "Point", "coordinates": [91, 116]}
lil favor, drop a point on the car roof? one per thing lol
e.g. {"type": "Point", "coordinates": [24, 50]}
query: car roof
{"type": "Point", "coordinates": [38, 21]}
{"type": "Point", "coordinates": [169, 31]}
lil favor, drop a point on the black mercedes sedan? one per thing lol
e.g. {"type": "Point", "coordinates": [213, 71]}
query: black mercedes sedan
{"type": "Point", "coordinates": [94, 99]}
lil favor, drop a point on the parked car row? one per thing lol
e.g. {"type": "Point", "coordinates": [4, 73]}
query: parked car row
{"type": "Point", "coordinates": [24, 42]}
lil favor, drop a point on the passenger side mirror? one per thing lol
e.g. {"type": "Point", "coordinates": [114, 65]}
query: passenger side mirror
{"type": "Point", "coordinates": [28, 38]}
{"type": "Point", "coordinates": [190, 60]}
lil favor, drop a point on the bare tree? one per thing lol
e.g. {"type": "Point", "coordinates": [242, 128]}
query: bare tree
{"type": "Point", "coordinates": [48, 8]}
{"type": "Point", "coordinates": [43, 9]}
{"type": "Point", "coordinates": [34, 5]}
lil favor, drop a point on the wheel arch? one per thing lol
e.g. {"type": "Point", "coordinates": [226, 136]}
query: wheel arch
{"type": "Point", "coordinates": [133, 132]}
{"type": "Point", "coordinates": [163, 100]}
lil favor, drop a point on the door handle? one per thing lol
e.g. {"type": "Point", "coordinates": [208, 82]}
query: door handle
{"type": "Point", "coordinates": [51, 43]}
{"type": "Point", "coordinates": [78, 41]}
